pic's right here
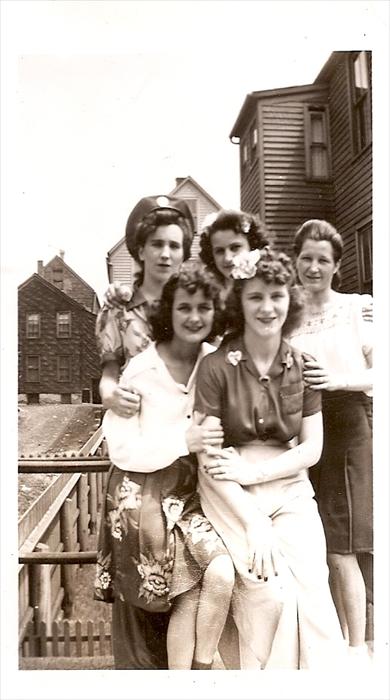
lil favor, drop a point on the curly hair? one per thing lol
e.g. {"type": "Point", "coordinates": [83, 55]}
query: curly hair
{"type": "Point", "coordinates": [273, 267]}
{"type": "Point", "coordinates": [242, 223]}
{"type": "Point", "coordinates": [320, 230]}
{"type": "Point", "coordinates": [193, 276]}
{"type": "Point", "coordinates": [149, 225]}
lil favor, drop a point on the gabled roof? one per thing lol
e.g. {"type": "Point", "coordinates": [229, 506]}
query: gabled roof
{"type": "Point", "coordinates": [117, 245]}
{"type": "Point", "coordinates": [190, 180]}
{"type": "Point", "coordinates": [52, 288]}
{"type": "Point", "coordinates": [62, 261]}
{"type": "Point", "coordinates": [176, 192]}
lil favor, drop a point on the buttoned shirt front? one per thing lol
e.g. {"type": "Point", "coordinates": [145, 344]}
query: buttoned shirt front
{"type": "Point", "coordinates": [250, 406]}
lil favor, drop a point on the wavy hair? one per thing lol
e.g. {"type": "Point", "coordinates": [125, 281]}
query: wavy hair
{"type": "Point", "coordinates": [273, 267]}
{"type": "Point", "coordinates": [193, 276]}
{"type": "Point", "coordinates": [149, 225]}
{"type": "Point", "coordinates": [320, 230]}
{"type": "Point", "coordinates": [242, 223]}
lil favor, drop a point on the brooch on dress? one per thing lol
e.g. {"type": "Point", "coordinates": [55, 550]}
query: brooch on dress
{"type": "Point", "coordinates": [234, 357]}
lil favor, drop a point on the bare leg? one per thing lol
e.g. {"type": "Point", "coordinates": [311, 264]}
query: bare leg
{"type": "Point", "coordinates": [345, 574]}
{"type": "Point", "coordinates": [214, 602]}
{"type": "Point", "coordinates": [337, 596]}
{"type": "Point", "coordinates": [181, 630]}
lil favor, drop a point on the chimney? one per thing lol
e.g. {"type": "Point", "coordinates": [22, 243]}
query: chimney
{"type": "Point", "coordinates": [179, 180]}
{"type": "Point", "coordinates": [40, 268]}
{"type": "Point", "coordinates": [62, 254]}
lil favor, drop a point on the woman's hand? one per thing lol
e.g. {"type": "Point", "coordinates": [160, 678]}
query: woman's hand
{"type": "Point", "coordinates": [124, 402]}
{"type": "Point", "coordinates": [227, 464]}
{"type": "Point", "coordinates": [199, 437]}
{"type": "Point", "coordinates": [263, 553]}
{"type": "Point", "coordinates": [318, 378]}
{"type": "Point", "coordinates": [117, 295]}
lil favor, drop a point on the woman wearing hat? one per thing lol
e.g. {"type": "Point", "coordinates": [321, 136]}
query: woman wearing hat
{"type": "Point", "coordinates": [159, 234]}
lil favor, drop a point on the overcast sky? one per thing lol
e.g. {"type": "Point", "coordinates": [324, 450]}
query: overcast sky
{"type": "Point", "coordinates": [110, 101]}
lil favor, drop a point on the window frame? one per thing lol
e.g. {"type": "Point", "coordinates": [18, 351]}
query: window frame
{"type": "Point", "coordinates": [365, 283]}
{"type": "Point", "coordinates": [36, 369]}
{"type": "Point", "coordinates": [69, 368]}
{"type": "Point", "coordinates": [29, 324]}
{"type": "Point", "coordinates": [357, 104]}
{"type": "Point", "coordinates": [58, 325]}
{"type": "Point", "coordinates": [309, 110]}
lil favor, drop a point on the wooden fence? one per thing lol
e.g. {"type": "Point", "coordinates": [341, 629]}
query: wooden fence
{"type": "Point", "coordinates": [54, 541]}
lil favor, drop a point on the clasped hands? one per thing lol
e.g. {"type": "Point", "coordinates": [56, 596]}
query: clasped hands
{"type": "Point", "coordinates": [227, 464]}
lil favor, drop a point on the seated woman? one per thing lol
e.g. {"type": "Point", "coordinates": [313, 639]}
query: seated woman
{"type": "Point", "coordinates": [165, 554]}
{"type": "Point", "coordinates": [256, 491]}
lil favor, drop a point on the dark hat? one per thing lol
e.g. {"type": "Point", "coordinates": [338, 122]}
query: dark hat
{"type": "Point", "coordinates": [145, 206]}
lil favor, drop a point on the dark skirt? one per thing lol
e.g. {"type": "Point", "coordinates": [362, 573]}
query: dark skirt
{"type": "Point", "coordinates": [154, 544]}
{"type": "Point", "coordinates": [343, 478]}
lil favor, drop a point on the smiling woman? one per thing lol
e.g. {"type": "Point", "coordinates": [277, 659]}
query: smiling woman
{"type": "Point", "coordinates": [159, 557]}
{"type": "Point", "coordinates": [255, 490]}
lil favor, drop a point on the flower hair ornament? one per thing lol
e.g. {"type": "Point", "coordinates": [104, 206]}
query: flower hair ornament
{"type": "Point", "coordinates": [245, 265]}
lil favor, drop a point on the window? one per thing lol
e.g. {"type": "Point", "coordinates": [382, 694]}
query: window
{"type": "Point", "coordinates": [63, 325]}
{"type": "Point", "coordinates": [244, 154]}
{"type": "Point", "coordinates": [33, 325]}
{"type": "Point", "coordinates": [32, 368]}
{"type": "Point", "coordinates": [64, 368]}
{"type": "Point", "coordinates": [58, 277]}
{"type": "Point", "coordinates": [316, 143]}
{"type": "Point", "coordinates": [364, 250]}
{"type": "Point", "coordinates": [360, 79]}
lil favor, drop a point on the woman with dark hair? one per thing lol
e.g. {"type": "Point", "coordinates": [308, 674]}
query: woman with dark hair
{"type": "Point", "coordinates": [335, 333]}
{"type": "Point", "coordinates": [227, 234]}
{"type": "Point", "coordinates": [165, 557]}
{"type": "Point", "coordinates": [255, 490]}
{"type": "Point", "coordinates": [159, 234]}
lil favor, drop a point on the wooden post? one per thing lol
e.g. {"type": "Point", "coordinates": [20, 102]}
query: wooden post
{"type": "Point", "coordinates": [67, 569]}
{"type": "Point", "coordinates": [44, 587]}
{"type": "Point", "coordinates": [93, 503]}
{"type": "Point", "coordinates": [99, 486]}
{"type": "Point", "coordinates": [83, 519]}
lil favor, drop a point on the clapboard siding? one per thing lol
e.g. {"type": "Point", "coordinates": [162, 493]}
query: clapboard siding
{"type": "Point", "coordinates": [122, 269]}
{"type": "Point", "coordinates": [289, 198]}
{"type": "Point", "coordinates": [352, 175]}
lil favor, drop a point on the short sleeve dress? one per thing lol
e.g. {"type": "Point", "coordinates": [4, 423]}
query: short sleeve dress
{"type": "Point", "coordinates": [341, 341]}
{"type": "Point", "coordinates": [289, 621]}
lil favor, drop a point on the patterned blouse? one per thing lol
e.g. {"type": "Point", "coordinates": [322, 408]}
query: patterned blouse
{"type": "Point", "coordinates": [122, 333]}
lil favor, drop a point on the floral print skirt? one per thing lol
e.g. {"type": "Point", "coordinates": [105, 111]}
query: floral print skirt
{"type": "Point", "coordinates": [154, 542]}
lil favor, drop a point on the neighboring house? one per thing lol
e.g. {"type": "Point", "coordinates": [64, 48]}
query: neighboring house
{"type": "Point", "coordinates": [121, 267]}
{"type": "Point", "coordinates": [306, 152]}
{"type": "Point", "coordinates": [63, 277]}
{"type": "Point", "coordinates": [58, 359]}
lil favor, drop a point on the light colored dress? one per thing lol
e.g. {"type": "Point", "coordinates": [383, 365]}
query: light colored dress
{"type": "Point", "coordinates": [341, 341]}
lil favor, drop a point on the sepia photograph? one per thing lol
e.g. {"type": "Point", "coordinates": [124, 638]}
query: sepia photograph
{"type": "Point", "coordinates": [194, 286]}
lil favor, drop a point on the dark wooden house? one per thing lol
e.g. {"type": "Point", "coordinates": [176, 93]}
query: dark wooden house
{"type": "Point", "coordinates": [121, 266]}
{"type": "Point", "coordinates": [306, 152]}
{"type": "Point", "coordinates": [63, 277]}
{"type": "Point", "coordinates": [58, 359]}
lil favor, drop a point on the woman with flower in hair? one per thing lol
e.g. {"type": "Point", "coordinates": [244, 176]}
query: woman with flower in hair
{"type": "Point", "coordinates": [227, 234]}
{"type": "Point", "coordinates": [255, 490]}
{"type": "Point", "coordinates": [165, 556]}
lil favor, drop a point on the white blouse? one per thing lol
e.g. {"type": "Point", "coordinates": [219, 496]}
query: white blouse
{"type": "Point", "coordinates": [337, 336]}
{"type": "Point", "coordinates": [155, 437]}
